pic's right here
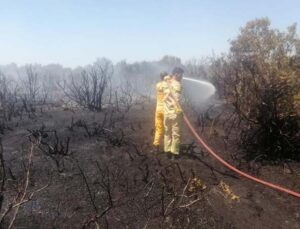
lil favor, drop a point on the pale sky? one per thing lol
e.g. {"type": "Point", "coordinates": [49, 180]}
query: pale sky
{"type": "Point", "coordinates": [76, 32]}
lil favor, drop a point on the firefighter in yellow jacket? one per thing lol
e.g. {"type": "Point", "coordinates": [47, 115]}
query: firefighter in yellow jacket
{"type": "Point", "coordinates": [159, 113]}
{"type": "Point", "coordinates": [172, 113]}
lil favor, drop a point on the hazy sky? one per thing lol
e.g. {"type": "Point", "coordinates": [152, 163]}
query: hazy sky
{"type": "Point", "coordinates": [76, 32]}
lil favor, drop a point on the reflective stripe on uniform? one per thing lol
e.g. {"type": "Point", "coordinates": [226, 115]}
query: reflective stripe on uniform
{"type": "Point", "coordinates": [172, 94]}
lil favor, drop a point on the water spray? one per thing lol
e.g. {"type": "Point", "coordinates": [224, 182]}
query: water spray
{"type": "Point", "coordinates": [208, 85]}
{"type": "Point", "coordinates": [205, 83]}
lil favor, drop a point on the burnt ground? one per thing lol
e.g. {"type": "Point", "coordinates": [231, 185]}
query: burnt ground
{"type": "Point", "coordinates": [111, 179]}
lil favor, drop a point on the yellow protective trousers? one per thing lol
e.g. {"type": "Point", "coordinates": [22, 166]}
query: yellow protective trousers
{"type": "Point", "coordinates": [173, 125]}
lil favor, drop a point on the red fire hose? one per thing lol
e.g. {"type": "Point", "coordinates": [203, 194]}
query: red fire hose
{"type": "Point", "coordinates": [216, 156]}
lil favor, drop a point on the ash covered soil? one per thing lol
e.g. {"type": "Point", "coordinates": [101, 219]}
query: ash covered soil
{"type": "Point", "coordinates": [109, 178]}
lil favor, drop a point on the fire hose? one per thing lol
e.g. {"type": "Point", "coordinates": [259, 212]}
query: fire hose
{"type": "Point", "coordinates": [221, 160]}
{"type": "Point", "coordinates": [226, 164]}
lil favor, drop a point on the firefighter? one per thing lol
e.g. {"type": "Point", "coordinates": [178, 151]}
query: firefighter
{"type": "Point", "coordinates": [173, 115]}
{"type": "Point", "coordinates": [159, 112]}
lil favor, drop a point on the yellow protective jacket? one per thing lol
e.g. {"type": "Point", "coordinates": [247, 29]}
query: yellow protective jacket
{"type": "Point", "coordinates": [172, 94]}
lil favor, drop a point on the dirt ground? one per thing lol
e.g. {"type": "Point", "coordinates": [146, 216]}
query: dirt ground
{"type": "Point", "coordinates": [113, 180]}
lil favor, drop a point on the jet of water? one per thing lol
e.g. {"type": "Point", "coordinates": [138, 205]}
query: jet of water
{"type": "Point", "coordinates": [211, 88]}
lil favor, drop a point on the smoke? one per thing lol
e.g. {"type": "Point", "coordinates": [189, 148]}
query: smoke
{"type": "Point", "coordinates": [139, 77]}
{"type": "Point", "coordinates": [142, 76]}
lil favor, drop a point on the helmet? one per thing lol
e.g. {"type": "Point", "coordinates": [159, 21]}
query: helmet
{"type": "Point", "coordinates": [177, 71]}
{"type": "Point", "coordinates": [162, 75]}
